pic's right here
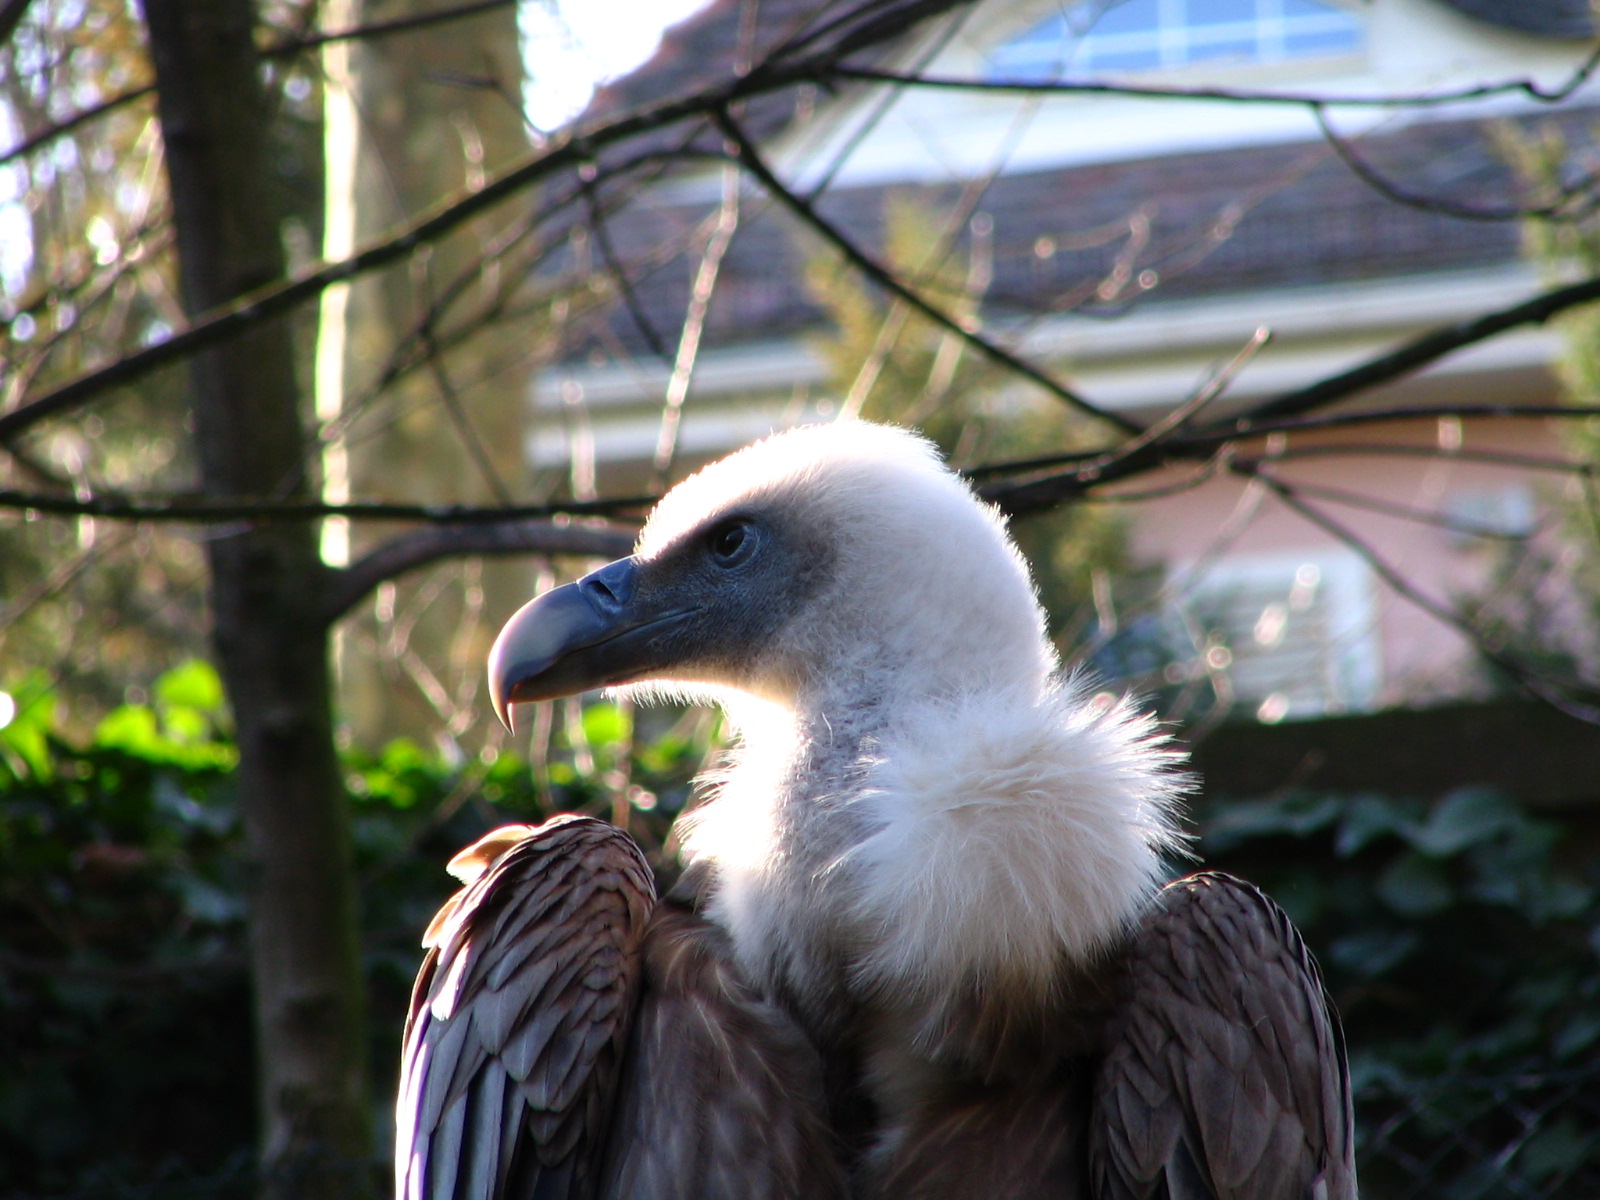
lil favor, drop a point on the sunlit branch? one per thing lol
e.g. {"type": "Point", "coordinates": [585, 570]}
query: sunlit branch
{"type": "Point", "coordinates": [720, 237]}
{"type": "Point", "coordinates": [1188, 443]}
{"type": "Point", "coordinates": [283, 49]}
{"type": "Point", "coordinates": [1168, 426]}
{"type": "Point", "coordinates": [277, 299]}
{"type": "Point", "coordinates": [569, 151]}
{"type": "Point", "coordinates": [29, 144]}
{"type": "Point", "coordinates": [411, 551]}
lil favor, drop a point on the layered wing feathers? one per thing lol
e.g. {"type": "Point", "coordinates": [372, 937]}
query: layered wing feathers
{"type": "Point", "coordinates": [1224, 1076]}
{"type": "Point", "coordinates": [520, 1014]}
{"type": "Point", "coordinates": [520, 1080]}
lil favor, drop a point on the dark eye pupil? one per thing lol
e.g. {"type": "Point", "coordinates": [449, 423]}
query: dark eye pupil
{"type": "Point", "coordinates": [725, 543]}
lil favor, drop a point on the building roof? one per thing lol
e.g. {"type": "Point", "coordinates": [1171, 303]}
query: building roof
{"type": "Point", "coordinates": [1087, 237]}
{"type": "Point", "coordinates": [1572, 19]}
{"type": "Point", "coordinates": [1104, 236]}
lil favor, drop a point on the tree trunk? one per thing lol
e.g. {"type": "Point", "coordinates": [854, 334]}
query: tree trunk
{"type": "Point", "coordinates": [420, 137]}
{"type": "Point", "coordinates": [267, 587]}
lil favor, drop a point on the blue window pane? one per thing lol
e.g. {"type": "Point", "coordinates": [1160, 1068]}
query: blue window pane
{"type": "Point", "coordinates": [1130, 16]}
{"type": "Point", "coordinates": [1138, 35]}
{"type": "Point", "coordinates": [1209, 12]}
{"type": "Point", "coordinates": [1331, 41]}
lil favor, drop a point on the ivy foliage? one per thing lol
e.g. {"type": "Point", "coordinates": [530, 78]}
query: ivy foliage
{"type": "Point", "coordinates": [125, 1019]}
{"type": "Point", "coordinates": [1460, 938]}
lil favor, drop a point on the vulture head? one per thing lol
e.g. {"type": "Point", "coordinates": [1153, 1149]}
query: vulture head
{"type": "Point", "coordinates": [914, 779]}
{"type": "Point", "coordinates": [836, 568]}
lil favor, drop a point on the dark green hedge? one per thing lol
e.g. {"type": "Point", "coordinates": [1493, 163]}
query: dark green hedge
{"type": "Point", "coordinates": [1459, 937]}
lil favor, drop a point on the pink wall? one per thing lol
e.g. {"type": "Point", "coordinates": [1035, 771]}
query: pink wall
{"type": "Point", "coordinates": [1420, 657]}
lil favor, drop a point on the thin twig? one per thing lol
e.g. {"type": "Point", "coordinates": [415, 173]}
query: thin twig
{"type": "Point", "coordinates": [411, 551]}
{"type": "Point", "coordinates": [1563, 209]}
{"type": "Point", "coordinates": [886, 279]}
{"type": "Point", "coordinates": [1421, 351]}
{"type": "Point", "coordinates": [694, 322]}
{"type": "Point", "coordinates": [282, 49]}
{"type": "Point", "coordinates": [568, 151]}
{"type": "Point", "coordinates": [1536, 682]}
{"type": "Point", "coordinates": [1183, 414]}
{"type": "Point", "coordinates": [199, 510]}
{"type": "Point", "coordinates": [1387, 508]}
{"type": "Point", "coordinates": [1105, 87]}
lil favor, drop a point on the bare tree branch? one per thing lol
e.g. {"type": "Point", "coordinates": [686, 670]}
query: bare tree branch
{"type": "Point", "coordinates": [423, 547]}
{"type": "Point", "coordinates": [277, 298]}
{"type": "Point", "coordinates": [1191, 444]}
{"type": "Point", "coordinates": [1036, 494]}
{"type": "Point", "coordinates": [1421, 351]}
{"type": "Point", "coordinates": [886, 279]}
{"type": "Point", "coordinates": [1574, 202]}
{"type": "Point", "coordinates": [722, 230]}
{"type": "Point", "coordinates": [11, 14]}
{"type": "Point", "coordinates": [1537, 682]}
{"type": "Point", "coordinates": [286, 48]}
{"type": "Point", "coordinates": [198, 510]}
{"type": "Point", "coordinates": [570, 151]}
{"type": "Point", "coordinates": [93, 113]}
{"type": "Point", "coordinates": [1386, 508]}
{"type": "Point", "coordinates": [409, 24]}
{"type": "Point", "coordinates": [1102, 87]}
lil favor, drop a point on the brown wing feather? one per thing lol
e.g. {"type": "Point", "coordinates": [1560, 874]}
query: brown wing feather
{"type": "Point", "coordinates": [520, 1014]}
{"type": "Point", "coordinates": [722, 1096]}
{"type": "Point", "coordinates": [1225, 1072]}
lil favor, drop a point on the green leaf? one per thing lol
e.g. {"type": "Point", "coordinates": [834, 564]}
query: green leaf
{"type": "Point", "coordinates": [1366, 818]}
{"type": "Point", "coordinates": [1372, 953]}
{"type": "Point", "coordinates": [1465, 818]}
{"type": "Point", "coordinates": [1415, 886]}
{"type": "Point", "coordinates": [24, 739]}
{"type": "Point", "coordinates": [195, 684]}
{"type": "Point", "coordinates": [1296, 816]}
{"type": "Point", "coordinates": [607, 725]}
{"type": "Point", "coordinates": [186, 725]}
{"type": "Point", "coordinates": [133, 730]}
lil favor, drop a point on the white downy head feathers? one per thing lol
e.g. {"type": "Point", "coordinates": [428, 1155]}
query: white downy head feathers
{"type": "Point", "coordinates": [1005, 818]}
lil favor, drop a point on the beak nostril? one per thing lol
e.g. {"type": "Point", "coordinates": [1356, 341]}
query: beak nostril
{"type": "Point", "coordinates": [609, 588]}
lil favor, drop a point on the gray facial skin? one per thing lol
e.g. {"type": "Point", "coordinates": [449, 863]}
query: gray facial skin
{"type": "Point", "coordinates": [703, 610]}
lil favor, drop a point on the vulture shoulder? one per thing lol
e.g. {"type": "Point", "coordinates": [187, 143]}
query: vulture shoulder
{"type": "Point", "coordinates": [1224, 1076]}
{"type": "Point", "coordinates": [572, 1037]}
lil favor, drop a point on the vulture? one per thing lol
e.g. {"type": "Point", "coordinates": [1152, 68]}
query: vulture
{"type": "Point", "coordinates": [921, 946]}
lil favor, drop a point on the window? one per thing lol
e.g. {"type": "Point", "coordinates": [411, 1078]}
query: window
{"type": "Point", "coordinates": [1118, 36]}
{"type": "Point", "coordinates": [1295, 636]}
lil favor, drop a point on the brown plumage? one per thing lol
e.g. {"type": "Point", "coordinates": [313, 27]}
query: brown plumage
{"type": "Point", "coordinates": [919, 950]}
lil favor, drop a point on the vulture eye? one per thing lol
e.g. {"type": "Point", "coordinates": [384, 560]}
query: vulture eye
{"type": "Point", "coordinates": [731, 542]}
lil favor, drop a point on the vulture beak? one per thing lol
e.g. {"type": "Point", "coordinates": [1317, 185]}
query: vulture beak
{"type": "Point", "coordinates": [588, 634]}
